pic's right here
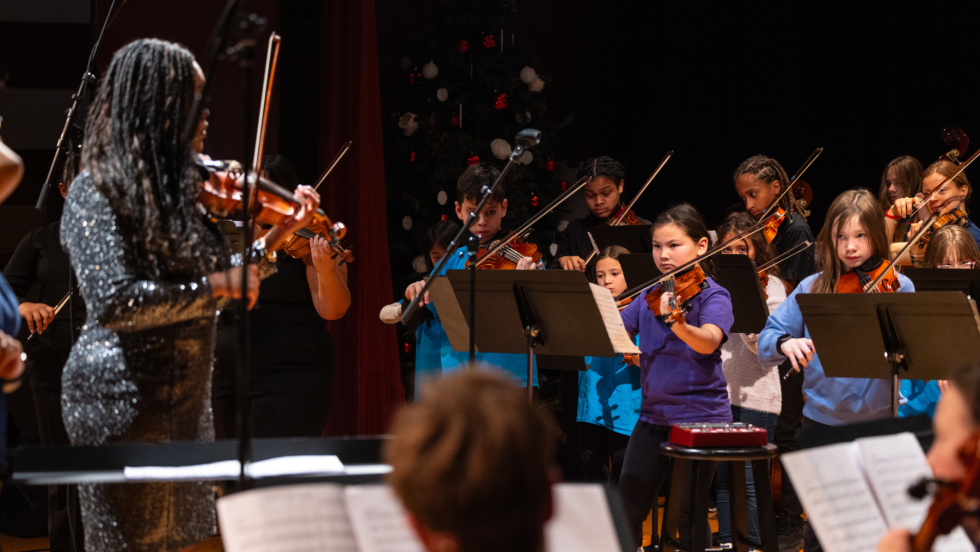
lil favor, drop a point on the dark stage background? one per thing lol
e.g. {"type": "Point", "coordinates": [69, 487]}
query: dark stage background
{"type": "Point", "coordinates": [716, 82]}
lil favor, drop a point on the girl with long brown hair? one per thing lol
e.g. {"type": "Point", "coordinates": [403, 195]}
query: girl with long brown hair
{"type": "Point", "coordinates": [950, 200]}
{"type": "Point", "coordinates": [853, 238]}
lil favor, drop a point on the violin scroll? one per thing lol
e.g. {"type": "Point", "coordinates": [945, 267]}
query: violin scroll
{"type": "Point", "coordinates": [958, 142]}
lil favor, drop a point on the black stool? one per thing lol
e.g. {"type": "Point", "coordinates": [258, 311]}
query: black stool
{"type": "Point", "coordinates": [692, 473]}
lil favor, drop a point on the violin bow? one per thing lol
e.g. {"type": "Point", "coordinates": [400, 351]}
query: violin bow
{"type": "Point", "coordinates": [926, 226]}
{"type": "Point", "coordinates": [806, 165]}
{"type": "Point", "coordinates": [61, 304]}
{"type": "Point", "coordinates": [759, 226]}
{"type": "Point", "coordinates": [336, 159]}
{"type": "Point", "coordinates": [637, 196]}
{"type": "Point", "coordinates": [271, 57]}
{"type": "Point", "coordinates": [525, 228]}
{"type": "Point", "coordinates": [796, 249]}
{"type": "Point", "coordinates": [925, 200]}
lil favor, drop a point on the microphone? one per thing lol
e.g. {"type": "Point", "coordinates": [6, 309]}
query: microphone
{"type": "Point", "coordinates": [528, 137]}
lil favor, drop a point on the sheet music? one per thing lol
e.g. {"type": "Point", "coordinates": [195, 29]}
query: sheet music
{"type": "Point", "coordinates": [285, 465]}
{"type": "Point", "coordinates": [837, 498]}
{"type": "Point", "coordinates": [618, 335]}
{"type": "Point", "coordinates": [893, 463]}
{"type": "Point", "coordinates": [582, 521]}
{"type": "Point", "coordinates": [378, 520]}
{"type": "Point", "coordinates": [294, 518]}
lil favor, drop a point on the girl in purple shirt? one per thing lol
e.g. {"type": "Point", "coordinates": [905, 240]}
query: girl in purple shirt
{"type": "Point", "coordinates": [680, 366]}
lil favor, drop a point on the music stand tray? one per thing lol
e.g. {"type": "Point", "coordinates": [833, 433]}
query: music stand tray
{"type": "Point", "coordinates": [635, 238]}
{"type": "Point", "coordinates": [739, 275]}
{"type": "Point", "coordinates": [898, 335]}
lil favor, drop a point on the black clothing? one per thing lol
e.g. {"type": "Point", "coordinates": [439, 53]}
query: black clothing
{"type": "Point", "coordinates": [793, 231]}
{"type": "Point", "coordinates": [293, 360]}
{"type": "Point", "coordinates": [40, 261]}
{"type": "Point", "coordinates": [574, 240]}
{"type": "Point", "coordinates": [603, 451]}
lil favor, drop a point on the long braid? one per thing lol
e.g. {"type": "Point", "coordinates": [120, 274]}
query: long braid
{"type": "Point", "coordinates": [134, 154]}
{"type": "Point", "coordinates": [768, 170]}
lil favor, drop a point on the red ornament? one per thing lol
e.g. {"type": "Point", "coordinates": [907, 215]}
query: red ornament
{"type": "Point", "coordinates": [489, 42]}
{"type": "Point", "coordinates": [550, 165]}
{"type": "Point", "coordinates": [411, 157]}
{"type": "Point", "coordinates": [444, 218]}
{"type": "Point", "coordinates": [534, 201]}
{"type": "Point", "coordinates": [415, 77]}
{"type": "Point", "coordinates": [564, 185]}
{"type": "Point", "coordinates": [455, 121]}
{"type": "Point", "coordinates": [500, 102]}
{"type": "Point", "coordinates": [407, 347]}
{"type": "Point", "coordinates": [475, 160]}
{"type": "Point", "coordinates": [462, 46]}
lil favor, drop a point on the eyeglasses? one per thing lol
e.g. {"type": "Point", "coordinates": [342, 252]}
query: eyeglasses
{"type": "Point", "coordinates": [968, 264]}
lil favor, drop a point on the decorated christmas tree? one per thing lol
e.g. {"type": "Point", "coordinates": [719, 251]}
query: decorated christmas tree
{"type": "Point", "coordinates": [466, 87]}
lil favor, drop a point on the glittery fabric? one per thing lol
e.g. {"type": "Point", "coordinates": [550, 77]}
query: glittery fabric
{"type": "Point", "coordinates": [140, 372]}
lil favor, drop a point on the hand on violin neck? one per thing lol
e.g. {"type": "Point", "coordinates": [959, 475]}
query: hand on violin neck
{"type": "Point", "coordinates": [309, 202]}
{"type": "Point", "coordinates": [322, 256]}
{"type": "Point", "coordinates": [526, 263]}
{"type": "Point", "coordinates": [665, 302]}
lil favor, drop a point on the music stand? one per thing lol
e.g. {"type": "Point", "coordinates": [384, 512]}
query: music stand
{"type": "Point", "coordinates": [638, 268]}
{"type": "Point", "coordinates": [635, 238]}
{"type": "Point", "coordinates": [524, 312]}
{"type": "Point", "coordinates": [739, 275]}
{"type": "Point", "coordinates": [938, 279]}
{"type": "Point", "coordinates": [879, 335]}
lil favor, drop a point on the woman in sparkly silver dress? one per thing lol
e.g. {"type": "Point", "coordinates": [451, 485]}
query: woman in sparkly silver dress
{"type": "Point", "coordinates": [151, 268]}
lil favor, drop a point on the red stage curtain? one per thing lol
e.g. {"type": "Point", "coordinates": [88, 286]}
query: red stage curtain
{"type": "Point", "coordinates": [367, 382]}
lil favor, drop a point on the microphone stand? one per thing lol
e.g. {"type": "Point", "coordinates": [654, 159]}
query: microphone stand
{"type": "Point", "coordinates": [473, 244]}
{"type": "Point", "coordinates": [64, 140]}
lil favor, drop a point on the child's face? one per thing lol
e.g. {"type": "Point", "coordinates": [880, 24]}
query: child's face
{"type": "Point", "coordinates": [436, 253]}
{"type": "Point", "coordinates": [950, 190]}
{"type": "Point", "coordinates": [952, 260]}
{"type": "Point", "coordinates": [853, 243]}
{"type": "Point", "coordinates": [672, 247]}
{"type": "Point", "coordinates": [741, 247]}
{"type": "Point", "coordinates": [954, 425]}
{"type": "Point", "coordinates": [609, 274]}
{"type": "Point", "coordinates": [488, 224]}
{"type": "Point", "coordinates": [602, 196]}
{"type": "Point", "coordinates": [756, 194]}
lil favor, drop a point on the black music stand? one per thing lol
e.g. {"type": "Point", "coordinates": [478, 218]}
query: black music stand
{"type": "Point", "coordinates": [635, 238]}
{"type": "Point", "coordinates": [638, 268]}
{"type": "Point", "coordinates": [739, 275]}
{"type": "Point", "coordinates": [532, 312]}
{"type": "Point", "coordinates": [880, 335]}
{"type": "Point", "coordinates": [938, 279]}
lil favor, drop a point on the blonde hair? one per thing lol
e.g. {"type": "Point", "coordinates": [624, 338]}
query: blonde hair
{"type": "Point", "coordinates": [472, 459]}
{"type": "Point", "coordinates": [908, 173]}
{"type": "Point", "coordinates": [951, 239]}
{"type": "Point", "coordinates": [948, 169]}
{"type": "Point", "coordinates": [850, 204]}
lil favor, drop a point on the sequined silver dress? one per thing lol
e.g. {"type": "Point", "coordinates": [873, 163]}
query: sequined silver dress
{"type": "Point", "coordinates": [140, 372]}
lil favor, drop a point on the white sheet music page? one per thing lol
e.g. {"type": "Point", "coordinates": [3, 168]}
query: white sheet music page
{"type": "Point", "coordinates": [582, 521]}
{"type": "Point", "coordinates": [293, 518]}
{"type": "Point", "coordinates": [378, 519]}
{"type": "Point", "coordinates": [618, 335]}
{"type": "Point", "coordinates": [893, 463]}
{"type": "Point", "coordinates": [837, 498]}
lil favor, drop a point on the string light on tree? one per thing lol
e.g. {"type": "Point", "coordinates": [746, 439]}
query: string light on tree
{"type": "Point", "coordinates": [550, 167]}
{"type": "Point", "coordinates": [475, 160]}
{"type": "Point", "coordinates": [534, 201]}
{"type": "Point", "coordinates": [462, 46]}
{"type": "Point", "coordinates": [489, 41]}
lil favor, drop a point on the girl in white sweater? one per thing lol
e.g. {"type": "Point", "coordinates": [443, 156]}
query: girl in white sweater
{"type": "Point", "coordinates": [753, 388]}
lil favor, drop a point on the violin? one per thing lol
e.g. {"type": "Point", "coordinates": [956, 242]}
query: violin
{"type": "Point", "coordinates": [624, 303]}
{"type": "Point", "coordinates": [802, 197]}
{"type": "Point", "coordinates": [624, 216]}
{"type": "Point", "coordinates": [859, 280]}
{"type": "Point", "coordinates": [221, 194]}
{"type": "Point", "coordinates": [953, 217]}
{"type": "Point", "coordinates": [685, 287]}
{"type": "Point", "coordinates": [953, 501]}
{"type": "Point", "coordinates": [507, 257]}
{"type": "Point", "coordinates": [764, 280]}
